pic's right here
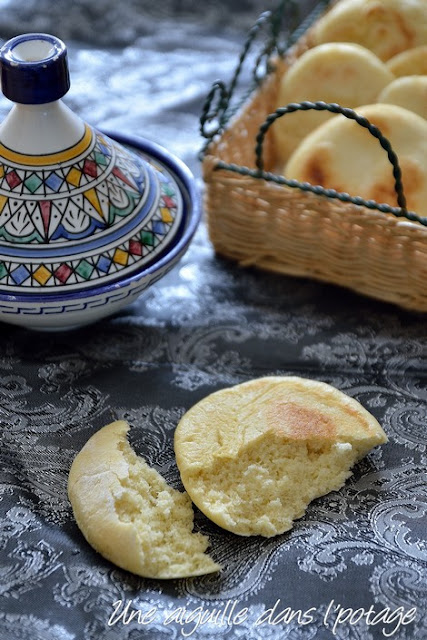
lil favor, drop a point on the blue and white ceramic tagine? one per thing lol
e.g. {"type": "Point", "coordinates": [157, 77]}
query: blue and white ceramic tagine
{"type": "Point", "coordinates": [87, 222]}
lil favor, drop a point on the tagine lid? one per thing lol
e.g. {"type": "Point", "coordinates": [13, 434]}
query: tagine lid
{"type": "Point", "coordinates": [77, 208]}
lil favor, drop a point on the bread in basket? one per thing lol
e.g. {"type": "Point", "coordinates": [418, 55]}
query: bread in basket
{"type": "Point", "coordinates": [256, 216]}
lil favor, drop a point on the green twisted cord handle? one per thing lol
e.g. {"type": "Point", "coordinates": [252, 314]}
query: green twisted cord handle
{"type": "Point", "coordinates": [332, 193]}
{"type": "Point", "coordinates": [400, 211]}
{"type": "Point", "coordinates": [222, 111]}
{"type": "Point", "coordinates": [222, 94]}
{"type": "Point", "coordinates": [217, 106]}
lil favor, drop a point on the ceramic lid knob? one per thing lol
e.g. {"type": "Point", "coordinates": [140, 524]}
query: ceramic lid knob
{"type": "Point", "coordinates": [34, 69]}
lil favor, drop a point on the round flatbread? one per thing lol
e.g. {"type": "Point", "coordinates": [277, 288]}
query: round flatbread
{"type": "Point", "coordinates": [386, 27]}
{"type": "Point", "coordinates": [409, 63]}
{"type": "Point", "coordinates": [253, 456]}
{"type": "Point", "coordinates": [409, 92]}
{"type": "Point", "coordinates": [335, 72]}
{"type": "Point", "coordinates": [344, 156]}
{"type": "Point", "coordinates": [130, 515]}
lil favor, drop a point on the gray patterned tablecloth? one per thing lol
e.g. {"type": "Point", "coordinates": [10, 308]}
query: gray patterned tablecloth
{"type": "Point", "coordinates": [360, 553]}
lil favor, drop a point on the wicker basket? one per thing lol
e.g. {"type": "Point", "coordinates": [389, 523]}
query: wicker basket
{"type": "Point", "coordinates": [255, 218]}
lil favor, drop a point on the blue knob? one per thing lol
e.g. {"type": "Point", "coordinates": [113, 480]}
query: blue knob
{"type": "Point", "coordinates": [34, 68]}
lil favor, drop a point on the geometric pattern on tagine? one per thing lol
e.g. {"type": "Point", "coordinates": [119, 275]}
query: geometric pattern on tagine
{"type": "Point", "coordinates": [104, 264]}
{"type": "Point", "coordinates": [69, 200]}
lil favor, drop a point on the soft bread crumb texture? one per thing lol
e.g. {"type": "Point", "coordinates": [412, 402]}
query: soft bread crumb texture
{"type": "Point", "coordinates": [252, 457]}
{"type": "Point", "coordinates": [130, 515]}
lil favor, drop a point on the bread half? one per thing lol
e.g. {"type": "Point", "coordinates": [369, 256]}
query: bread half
{"type": "Point", "coordinates": [130, 515]}
{"type": "Point", "coordinates": [252, 457]}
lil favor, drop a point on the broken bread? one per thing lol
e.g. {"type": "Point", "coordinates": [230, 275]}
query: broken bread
{"type": "Point", "coordinates": [253, 456]}
{"type": "Point", "coordinates": [130, 515]}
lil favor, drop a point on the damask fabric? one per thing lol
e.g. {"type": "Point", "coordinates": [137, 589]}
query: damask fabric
{"type": "Point", "coordinates": [358, 554]}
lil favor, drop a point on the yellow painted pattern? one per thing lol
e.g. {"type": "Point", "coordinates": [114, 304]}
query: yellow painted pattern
{"type": "Point", "coordinates": [166, 215]}
{"type": "Point", "coordinates": [42, 275]}
{"type": "Point", "coordinates": [3, 200]}
{"type": "Point", "coordinates": [92, 196]}
{"type": "Point", "coordinates": [121, 257]}
{"type": "Point", "coordinates": [50, 158]}
{"type": "Point", "coordinates": [74, 177]}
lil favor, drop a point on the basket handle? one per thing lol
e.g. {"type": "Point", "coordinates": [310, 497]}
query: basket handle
{"type": "Point", "coordinates": [218, 108]}
{"type": "Point", "coordinates": [332, 193]}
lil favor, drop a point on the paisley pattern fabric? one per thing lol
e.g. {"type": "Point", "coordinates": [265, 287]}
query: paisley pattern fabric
{"type": "Point", "coordinates": [206, 325]}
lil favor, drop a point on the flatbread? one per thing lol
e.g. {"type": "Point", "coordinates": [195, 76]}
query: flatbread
{"type": "Point", "coordinates": [409, 92]}
{"type": "Point", "coordinates": [130, 515]}
{"type": "Point", "coordinates": [253, 456]}
{"type": "Point", "coordinates": [386, 27]}
{"type": "Point", "coordinates": [412, 62]}
{"type": "Point", "coordinates": [335, 72]}
{"type": "Point", "coordinates": [342, 155]}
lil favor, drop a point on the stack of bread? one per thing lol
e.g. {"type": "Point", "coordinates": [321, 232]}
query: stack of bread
{"type": "Point", "coordinates": [371, 56]}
